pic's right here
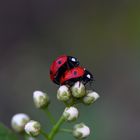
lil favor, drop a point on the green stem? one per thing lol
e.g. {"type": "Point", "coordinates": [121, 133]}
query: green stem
{"type": "Point", "coordinates": [50, 116]}
{"type": "Point", "coordinates": [66, 130]}
{"type": "Point", "coordinates": [56, 128]}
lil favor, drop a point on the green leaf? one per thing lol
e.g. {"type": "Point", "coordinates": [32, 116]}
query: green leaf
{"type": "Point", "coordinates": [6, 133]}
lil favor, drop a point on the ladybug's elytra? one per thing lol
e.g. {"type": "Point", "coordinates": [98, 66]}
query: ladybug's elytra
{"type": "Point", "coordinates": [76, 74]}
{"type": "Point", "coordinates": [60, 65]}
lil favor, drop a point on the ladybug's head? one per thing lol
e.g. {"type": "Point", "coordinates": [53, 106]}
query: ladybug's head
{"type": "Point", "coordinates": [73, 61]}
{"type": "Point", "coordinates": [88, 77]}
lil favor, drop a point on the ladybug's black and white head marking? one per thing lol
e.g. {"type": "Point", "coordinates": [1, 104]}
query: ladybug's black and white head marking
{"type": "Point", "coordinates": [88, 77]}
{"type": "Point", "coordinates": [73, 62]}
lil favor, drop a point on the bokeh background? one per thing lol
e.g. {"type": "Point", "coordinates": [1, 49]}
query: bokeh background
{"type": "Point", "coordinates": [103, 35]}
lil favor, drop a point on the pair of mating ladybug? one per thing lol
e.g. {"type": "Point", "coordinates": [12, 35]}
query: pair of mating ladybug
{"type": "Point", "coordinates": [66, 70]}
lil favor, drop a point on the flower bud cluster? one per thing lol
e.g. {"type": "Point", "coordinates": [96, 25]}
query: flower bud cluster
{"type": "Point", "coordinates": [18, 121]}
{"type": "Point", "coordinates": [21, 122]}
{"type": "Point", "coordinates": [77, 92]}
{"type": "Point", "coordinates": [71, 96]}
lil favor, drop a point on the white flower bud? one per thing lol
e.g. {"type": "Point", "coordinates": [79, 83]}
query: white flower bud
{"type": "Point", "coordinates": [81, 131]}
{"type": "Point", "coordinates": [18, 121]}
{"type": "Point", "coordinates": [70, 113]}
{"type": "Point", "coordinates": [33, 128]}
{"type": "Point", "coordinates": [91, 97]}
{"type": "Point", "coordinates": [41, 99]}
{"type": "Point", "coordinates": [63, 93]}
{"type": "Point", "coordinates": [78, 90]}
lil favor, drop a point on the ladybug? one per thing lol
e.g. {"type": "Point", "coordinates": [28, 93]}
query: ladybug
{"type": "Point", "coordinates": [76, 74]}
{"type": "Point", "coordinates": [60, 65]}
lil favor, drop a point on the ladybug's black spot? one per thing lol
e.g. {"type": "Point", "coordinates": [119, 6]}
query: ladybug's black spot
{"type": "Point", "coordinates": [59, 62]}
{"type": "Point", "coordinates": [75, 72]}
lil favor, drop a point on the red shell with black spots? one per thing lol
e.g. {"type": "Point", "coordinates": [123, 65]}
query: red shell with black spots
{"type": "Point", "coordinates": [56, 65]}
{"type": "Point", "coordinates": [72, 74]}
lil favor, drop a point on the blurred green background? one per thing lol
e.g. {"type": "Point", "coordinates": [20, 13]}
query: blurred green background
{"type": "Point", "coordinates": [103, 35]}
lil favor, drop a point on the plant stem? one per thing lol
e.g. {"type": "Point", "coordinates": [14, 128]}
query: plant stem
{"type": "Point", "coordinates": [51, 118]}
{"type": "Point", "coordinates": [56, 128]}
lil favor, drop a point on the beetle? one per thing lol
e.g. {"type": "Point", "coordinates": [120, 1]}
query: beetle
{"type": "Point", "coordinates": [60, 65]}
{"type": "Point", "coordinates": [76, 74]}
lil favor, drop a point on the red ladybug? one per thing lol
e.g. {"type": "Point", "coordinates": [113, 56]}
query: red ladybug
{"type": "Point", "coordinates": [60, 65]}
{"type": "Point", "coordinates": [76, 74]}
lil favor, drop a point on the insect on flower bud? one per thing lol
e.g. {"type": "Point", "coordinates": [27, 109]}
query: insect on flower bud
{"type": "Point", "coordinates": [33, 128]}
{"type": "Point", "coordinates": [18, 121]}
{"type": "Point", "coordinates": [81, 131]}
{"type": "Point", "coordinates": [70, 113]}
{"type": "Point", "coordinates": [63, 93]}
{"type": "Point", "coordinates": [78, 90]}
{"type": "Point", "coordinates": [91, 97]}
{"type": "Point", "coordinates": [41, 99]}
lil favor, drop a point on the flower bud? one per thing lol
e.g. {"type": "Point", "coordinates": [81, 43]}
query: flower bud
{"type": "Point", "coordinates": [91, 97]}
{"type": "Point", "coordinates": [41, 99]}
{"type": "Point", "coordinates": [63, 93]}
{"type": "Point", "coordinates": [78, 90]}
{"type": "Point", "coordinates": [18, 121]}
{"type": "Point", "coordinates": [81, 131]}
{"type": "Point", "coordinates": [33, 128]}
{"type": "Point", "coordinates": [70, 113]}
